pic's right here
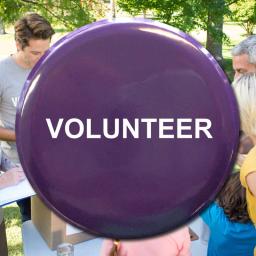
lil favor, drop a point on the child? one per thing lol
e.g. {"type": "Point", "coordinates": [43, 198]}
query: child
{"type": "Point", "coordinates": [231, 230]}
{"type": "Point", "coordinates": [245, 89]}
{"type": "Point", "coordinates": [176, 243]}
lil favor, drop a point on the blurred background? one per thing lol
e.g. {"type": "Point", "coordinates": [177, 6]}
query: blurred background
{"type": "Point", "coordinates": [216, 24]}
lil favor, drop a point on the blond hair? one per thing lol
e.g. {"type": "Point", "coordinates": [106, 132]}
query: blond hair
{"type": "Point", "coordinates": [245, 90]}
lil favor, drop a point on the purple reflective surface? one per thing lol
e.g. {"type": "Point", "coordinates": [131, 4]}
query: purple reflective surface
{"type": "Point", "coordinates": [126, 188]}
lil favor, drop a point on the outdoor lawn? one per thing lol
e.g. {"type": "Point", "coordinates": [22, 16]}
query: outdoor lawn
{"type": "Point", "coordinates": [13, 231]}
{"type": "Point", "coordinates": [7, 46]}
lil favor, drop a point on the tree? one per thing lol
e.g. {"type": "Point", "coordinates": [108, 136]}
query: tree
{"type": "Point", "coordinates": [69, 13]}
{"type": "Point", "coordinates": [2, 27]}
{"type": "Point", "coordinates": [188, 15]}
{"type": "Point", "coordinates": [211, 14]}
{"type": "Point", "coordinates": [245, 15]}
{"type": "Point", "coordinates": [10, 10]}
{"type": "Point", "coordinates": [175, 13]}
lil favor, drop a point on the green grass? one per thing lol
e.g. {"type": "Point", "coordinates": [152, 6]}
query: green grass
{"type": "Point", "coordinates": [13, 230]}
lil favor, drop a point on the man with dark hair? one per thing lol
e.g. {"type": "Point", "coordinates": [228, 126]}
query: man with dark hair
{"type": "Point", "coordinates": [32, 36]}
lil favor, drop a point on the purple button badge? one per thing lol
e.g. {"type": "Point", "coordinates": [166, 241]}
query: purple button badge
{"type": "Point", "coordinates": [127, 128]}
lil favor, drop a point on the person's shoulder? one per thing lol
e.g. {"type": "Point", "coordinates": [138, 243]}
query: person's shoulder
{"type": "Point", "coordinates": [5, 71]}
{"type": "Point", "coordinates": [5, 63]}
{"type": "Point", "coordinates": [5, 60]}
{"type": "Point", "coordinates": [213, 214]}
{"type": "Point", "coordinates": [213, 208]}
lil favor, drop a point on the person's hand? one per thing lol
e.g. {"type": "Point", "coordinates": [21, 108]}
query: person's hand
{"type": "Point", "coordinates": [12, 177]}
{"type": "Point", "coordinates": [240, 159]}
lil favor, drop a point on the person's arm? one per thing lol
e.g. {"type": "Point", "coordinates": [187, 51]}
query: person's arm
{"type": "Point", "coordinates": [12, 177]}
{"type": "Point", "coordinates": [251, 182]}
{"type": "Point", "coordinates": [7, 134]}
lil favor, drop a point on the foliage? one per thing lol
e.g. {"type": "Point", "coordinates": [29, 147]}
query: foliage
{"type": "Point", "coordinates": [10, 10]}
{"type": "Point", "coordinates": [245, 15]}
{"type": "Point", "coordinates": [186, 15]}
{"type": "Point", "coordinates": [175, 13]}
{"type": "Point", "coordinates": [69, 13]}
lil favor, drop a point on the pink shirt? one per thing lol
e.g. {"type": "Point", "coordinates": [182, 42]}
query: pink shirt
{"type": "Point", "coordinates": [176, 243]}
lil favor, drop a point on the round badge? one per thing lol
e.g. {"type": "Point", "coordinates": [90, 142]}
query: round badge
{"type": "Point", "coordinates": [127, 128]}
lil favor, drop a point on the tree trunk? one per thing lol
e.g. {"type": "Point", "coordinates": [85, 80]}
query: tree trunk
{"type": "Point", "coordinates": [113, 8]}
{"type": "Point", "coordinates": [215, 31]}
{"type": "Point", "coordinates": [144, 14]}
{"type": "Point", "coordinates": [2, 28]}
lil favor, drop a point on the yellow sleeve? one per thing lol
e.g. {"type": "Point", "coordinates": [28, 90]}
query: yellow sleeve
{"type": "Point", "coordinates": [248, 166]}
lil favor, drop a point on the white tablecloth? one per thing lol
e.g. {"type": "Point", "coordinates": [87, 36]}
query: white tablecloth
{"type": "Point", "coordinates": [14, 193]}
{"type": "Point", "coordinates": [34, 245]}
